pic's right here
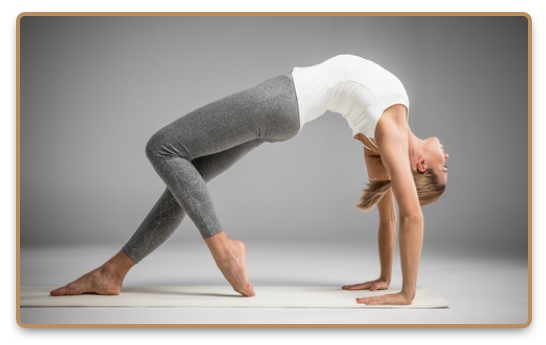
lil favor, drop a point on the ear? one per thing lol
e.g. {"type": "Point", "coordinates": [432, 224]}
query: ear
{"type": "Point", "coordinates": [421, 166]}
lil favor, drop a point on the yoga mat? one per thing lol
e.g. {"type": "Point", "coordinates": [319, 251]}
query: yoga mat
{"type": "Point", "coordinates": [224, 297]}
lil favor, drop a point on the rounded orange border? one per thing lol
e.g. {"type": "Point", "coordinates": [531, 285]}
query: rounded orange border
{"type": "Point", "coordinates": [265, 14]}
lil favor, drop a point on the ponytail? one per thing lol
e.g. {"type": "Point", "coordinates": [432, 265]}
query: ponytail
{"type": "Point", "coordinates": [428, 190]}
{"type": "Point", "coordinates": [373, 193]}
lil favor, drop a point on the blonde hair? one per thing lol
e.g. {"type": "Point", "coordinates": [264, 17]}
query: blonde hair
{"type": "Point", "coordinates": [428, 190]}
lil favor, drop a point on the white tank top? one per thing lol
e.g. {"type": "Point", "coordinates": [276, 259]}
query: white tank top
{"type": "Point", "coordinates": [358, 89]}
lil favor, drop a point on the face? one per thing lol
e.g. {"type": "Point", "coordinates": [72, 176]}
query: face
{"type": "Point", "coordinates": [435, 159]}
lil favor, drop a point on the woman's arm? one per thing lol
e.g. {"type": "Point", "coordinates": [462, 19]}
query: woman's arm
{"type": "Point", "coordinates": [392, 138]}
{"type": "Point", "coordinates": [386, 236]}
{"type": "Point", "coordinates": [387, 227]}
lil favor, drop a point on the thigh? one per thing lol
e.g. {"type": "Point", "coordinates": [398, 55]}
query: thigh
{"type": "Point", "coordinates": [266, 112]}
{"type": "Point", "coordinates": [213, 165]}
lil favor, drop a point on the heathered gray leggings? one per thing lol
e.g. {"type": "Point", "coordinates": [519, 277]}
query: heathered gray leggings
{"type": "Point", "coordinates": [202, 144]}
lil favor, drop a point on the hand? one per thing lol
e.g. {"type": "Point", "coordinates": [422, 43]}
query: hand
{"type": "Point", "coordinates": [378, 284]}
{"type": "Point", "coordinates": [398, 298]}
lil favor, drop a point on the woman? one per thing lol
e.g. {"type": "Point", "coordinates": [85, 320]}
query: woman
{"type": "Point", "coordinates": [202, 144]}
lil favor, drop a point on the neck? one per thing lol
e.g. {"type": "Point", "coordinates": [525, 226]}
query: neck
{"type": "Point", "coordinates": [414, 148]}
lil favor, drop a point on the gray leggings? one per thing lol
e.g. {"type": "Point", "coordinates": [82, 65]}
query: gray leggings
{"type": "Point", "coordinates": [202, 144]}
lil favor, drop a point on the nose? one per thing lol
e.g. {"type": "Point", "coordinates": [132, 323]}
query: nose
{"type": "Point", "coordinates": [446, 156]}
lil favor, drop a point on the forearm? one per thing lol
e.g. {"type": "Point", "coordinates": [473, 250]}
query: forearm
{"type": "Point", "coordinates": [386, 243]}
{"type": "Point", "coordinates": [411, 243]}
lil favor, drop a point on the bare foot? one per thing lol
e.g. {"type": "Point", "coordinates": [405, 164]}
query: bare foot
{"type": "Point", "coordinates": [230, 258]}
{"type": "Point", "coordinates": [105, 280]}
{"type": "Point", "coordinates": [97, 281]}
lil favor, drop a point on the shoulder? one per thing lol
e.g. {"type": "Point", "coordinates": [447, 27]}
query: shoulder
{"type": "Point", "coordinates": [393, 124]}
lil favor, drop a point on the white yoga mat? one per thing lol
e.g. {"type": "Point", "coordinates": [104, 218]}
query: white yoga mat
{"type": "Point", "coordinates": [223, 297]}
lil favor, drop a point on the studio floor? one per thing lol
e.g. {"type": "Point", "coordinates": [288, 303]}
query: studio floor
{"type": "Point", "coordinates": [483, 289]}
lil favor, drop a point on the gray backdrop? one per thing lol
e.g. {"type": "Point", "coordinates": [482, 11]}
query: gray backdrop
{"type": "Point", "coordinates": [94, 89]}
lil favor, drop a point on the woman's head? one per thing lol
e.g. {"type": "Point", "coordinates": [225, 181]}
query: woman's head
{"type": "Point", "coordinates": [431, 159]}
{"type": "Point", "coordinates": [429, 174]}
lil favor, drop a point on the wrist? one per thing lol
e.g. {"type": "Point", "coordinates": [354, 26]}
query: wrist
{"type": "Point", "coordinates": [409, 294]}
{"type": "Point", "coordinates": [385, 277]}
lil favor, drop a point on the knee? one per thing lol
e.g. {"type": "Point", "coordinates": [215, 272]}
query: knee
{"type": "Point", "coordinates": [162, 145]}
{"type": "Point", "coordinates": [155, 147]}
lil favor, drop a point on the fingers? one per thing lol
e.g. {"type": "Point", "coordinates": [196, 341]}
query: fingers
{"type": "Point", "coordinates": [363, 286]}
{"type": "Point", "coordinates": [372, 285]}
{"type": "Point", "coordinates": [396, 298]}
{"type": "Point", "coordinates": [377, 300]}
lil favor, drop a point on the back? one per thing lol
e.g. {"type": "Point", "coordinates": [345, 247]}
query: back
{"type": "Point", "coordinates": [359, 89]}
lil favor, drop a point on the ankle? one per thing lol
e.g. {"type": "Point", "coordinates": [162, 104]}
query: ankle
{"type": "Point", "coordinates": [218, 243]}
{"type": "Point", "coordinates": [118, 265]}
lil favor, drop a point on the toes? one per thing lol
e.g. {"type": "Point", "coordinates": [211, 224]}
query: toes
{"type": "Point", "coordinates": [58, 292]}
{"type": "Point", "coordinates": [73, 289]}
{"type": "Point", "coordinates": [249, 291]}
{"type": "Point", "coordinates": [70, 289]}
